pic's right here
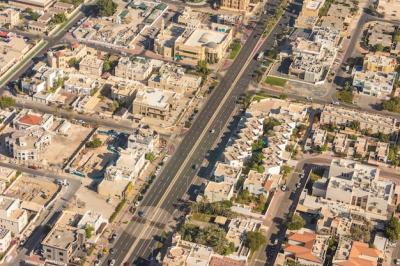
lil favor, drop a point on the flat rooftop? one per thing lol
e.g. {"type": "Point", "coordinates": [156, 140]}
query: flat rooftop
{"type": "Point", "coordinates": [201, 37]}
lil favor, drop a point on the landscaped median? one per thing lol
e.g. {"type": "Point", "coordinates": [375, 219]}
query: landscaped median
{"type": "Point", "coordinates": [275, 81]}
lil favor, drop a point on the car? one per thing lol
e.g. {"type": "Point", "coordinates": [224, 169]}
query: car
{"type": "Point", "coordinates": [141, 214]}
{"type": "Point", "coordinates": [397, 261]}
{"type": "Point", "coordinates": [283, 187]}
{"type": "Point", "coordinates": [194, 166]}
{"type": "Point", "coordinates": [137, 203]}
{"type": "Point", "coordinates": [111, 262]}
{"type": "Point", "coordinates": [96, 263]}
{"type": "Point", "coordinates": [298, 185]}
{"type": "Point", "coordinates": [113, 237]}
{"type": "Point", "coordinates": [276, 241]}
{"type": "Point", "coordinates": [112, 251]}
{"type": "Point", "coordinates": [212, 131]}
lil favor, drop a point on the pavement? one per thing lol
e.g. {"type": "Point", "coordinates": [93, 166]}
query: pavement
{"type": "Point", "coordinates": [136, 243]}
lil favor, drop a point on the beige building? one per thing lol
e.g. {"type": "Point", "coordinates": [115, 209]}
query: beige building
{"type": "Point", "coordinates": [60, 58]}
{"type": "Point", "coordinates": [153, 103]}
{"type": "Point", "coordinates": [173, 77]}
{"type": "Point", "coordinates": [12, 216]}
{"type": "Point", "coordinates": [91, 65]}
{"type": "Point", "coordinates": [9, 16]}
{"type": "Point", "coordinates": [5, 239]}
{"type": "Point", "coordinates": [139, 68]}
{"type": "Point", "coordinates": [63, 240]}
{"type": "Point", "coordinates": [372, 122]}
{"type": "Point", "coordinates": [239, 5]}
{"type": "Point", "coordinates": [207, 44]}
{"type": "Point", "coordinates": [380, 62]}
{"type": "Point", "coordinates": [12, 52]}
{"type": "Point", "coordinates": [37, 5]}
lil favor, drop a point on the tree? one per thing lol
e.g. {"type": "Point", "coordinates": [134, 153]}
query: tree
{"type": "Point", "coordinates": [379, 48]}
{"type": "Point", "coordinates": [106, 8]}
{"type": "Point", "coordinates": [202, 68]}
{"type": "Point", "coordinates": [106, 66]}
{"type": "Point", "coordinates": [150, 156]}
{"type": "Point", "coordinates": [392, 229]}
{"type": "Point", "coordinates": [113, 106]}
{"type": "Point", "coordinates": [392, 105]}
{"type": "Point", "coordinates": [89, 231]}
{"type": "Point", "coordinates": [95, 143]}
{"type": "Point", "coordinates": [59, 18]}
{"type": "Point", "coordinates": [254, 240]}
{"type": "Point", "coordinates": [286, 170]}
{"type": "Point", "coordinates": [297, 222]}
{"type": "Point", "coordinates": [32, 14]}
{"type": "Point", "coordinates": [6, 102]}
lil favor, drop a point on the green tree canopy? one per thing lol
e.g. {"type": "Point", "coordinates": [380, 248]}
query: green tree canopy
{"type": "Point", "coordinates": [106, 8]}
{"type": "Point", "coordinates": [254, 240]}
{"type": "Point", "coordinates": [296, 223]}
{"type": "Point", "coordinates": [392, 229]}
{"type": "Point", "coordinates": [6, 102]}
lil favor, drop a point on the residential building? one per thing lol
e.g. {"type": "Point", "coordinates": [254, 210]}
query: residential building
{"type": "Point", "coordinates": [63, 7]}
{"type": "Point", "coordinates": [95, 221]}
{"type": "Point", "coordinates": [144, 136]}
{"type": "Point", "coordinates": [226, 173]}
{"type": "Point", "coordinates": [37, 5]}
{"type": "Point", "coordinates": [312, 57]}
{"type": "Point", "coordinates": [254, 182]}
{"type": "Point", "coordinates": [380, 154]}
{"type": "Point", "coordinates": [9, 17]}
{"type": "Point", "coordinates": [27, 119]}
{"type": "Point", "coordinates": [390, 9]}
{"type": "Point", "coordinates": [164, 43]}
{"type": "Point", "coordinates": [153, 103]}
{"type": "Point", "coordinates": [359, 185]}
{"type": "Point", "coordinates": [378, 84]}
{"type": "Point", "coordinates": [26, 145]}
{"type": "Point", "coordinates": [37, 27]}
{"type": "Point", "coordinates": [44, 79]}
{"type": "Point", "coordinates": [5, 239]}
{"type": "Point", "coordinates": [139, 68]}
{"type": "Point", "coordinates": [236, 234]}
{"type": "Point", "coordinates": [361, 146]}
{"type": "Point", "coordinates": [91, 65]}
{"type": "Point", "coordinates": [173, 77]}
{"type": "Point", "coordinates": [351, 252]}
{"type": "Point", "coordinates": [237, 5]}
{"type": "Point", "coordinates": [80, 84]}
{"type": "Point", "coordinates": [128, 166]}
{"type": "Point", "coordinates": [379, 62]}
{"type": "Point", "coordinates": [203, 44]}
{"type": "Point", "coordinates": [12, 216]}
{"type": "Point", "coordinates": [61, 58]}
{"type": "Point", "coordinates": [306, 247]}
{"type": "Point", "coordinates": [63, 240]}
{"type": "Point", "coordinates": [190, 18]}
{"type": "Point", "coordinates": [319, 137]}
{"type": "Point", "coordinates": [186, 253]}
{"type": "Point", "coordinates": [373, 123]}
{"type": "Point", "coordinates": [125, 90]}
{"type": "Point", "coordinates": [218, 191]}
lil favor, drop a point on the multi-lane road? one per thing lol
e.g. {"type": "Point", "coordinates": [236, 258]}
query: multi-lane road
{"type": "Point", "coordinates": [136, 242]}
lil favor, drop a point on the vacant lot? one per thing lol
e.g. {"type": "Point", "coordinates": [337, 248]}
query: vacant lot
{"type": "Point", "coordinates": [32, 189]}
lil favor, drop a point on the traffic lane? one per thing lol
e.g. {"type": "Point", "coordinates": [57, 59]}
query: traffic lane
{"type": "Point", "coordinates": [234, 67]}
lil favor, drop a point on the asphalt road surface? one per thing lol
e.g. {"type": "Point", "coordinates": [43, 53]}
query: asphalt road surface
{"type": "Point", "coordinates": [166, 190]}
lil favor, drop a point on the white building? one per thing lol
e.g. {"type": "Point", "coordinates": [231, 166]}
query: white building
{"type": "Point", "coordinates": [128, 166]}
{"type": "Point", "coordinates": [80, 84]}
{"type": "Point", "coordinates": [359, 185]}
{"type": "Point", "coordinates": [12, 216]}
{"type": "Point", "coordinates": [139, 68]}
{"type": "Point", "coordinates": [5, 239]}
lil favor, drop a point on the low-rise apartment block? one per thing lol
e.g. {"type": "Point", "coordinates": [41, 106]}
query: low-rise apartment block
{"type": "Point", "coordinates": [173, 77]}
{"type": "Point", "coordinates": [359, 185]}
{"type": "Point", "coordinates": [5, 239]}
{"type": "Point", "coordinates": [139, 68]}
{"type": "Point", "coordinates": [153, 103]}
{"type": "Point", "coordinates": [60, 58]}
{"type": "Point", "coordinates": [377, 77]}
{"type": "Point", "coordinates": [128, 166]}
{"type": "Point", "coordinates": [27, 119]}
{"type": "Point", "coordinates": [43, 80]}
{"type": "Point", "coordinates": [306, 247]}
{"type": "Point", "coordinates": [380, 33]}
{"type": "Point", "coordinates": [37, 5]}
{"type": "Point", "coordinates": [91, 65]}
{"type": "Point", "coordinates": [312, 57]}
{"type": "Point", "coordinates": [63, 240]}
{"type": "Point", "coordinates": [80, 84]}
{"type": "Point", "coordinates": [309, 14]}
{"type": "Point", "coordinates": [9, 17]}
{"type": "Point", "coordinates": [27, 144]}
{"type": "Point", "coordinates": [12, 216]}
{"type": "Point", "coordinates": [371, 122]}
{"type": "Point", "coordinates": [353, 252]}
{"type": "Point", "coordinates": [125, 90]}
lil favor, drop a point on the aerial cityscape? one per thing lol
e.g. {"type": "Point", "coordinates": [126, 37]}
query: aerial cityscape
{"type": "Point", "coordinates": [200, 132]}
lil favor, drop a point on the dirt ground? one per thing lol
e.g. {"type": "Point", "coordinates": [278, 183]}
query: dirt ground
{"type": "Point", "coordinates": [36, 190]}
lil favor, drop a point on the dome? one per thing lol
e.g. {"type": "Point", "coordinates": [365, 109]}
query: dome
{"type": "Point", "coordinates": [212, 45]}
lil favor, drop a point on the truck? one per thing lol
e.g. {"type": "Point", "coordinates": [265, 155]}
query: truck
{"type": "Point", "coordinates": [260, 56]}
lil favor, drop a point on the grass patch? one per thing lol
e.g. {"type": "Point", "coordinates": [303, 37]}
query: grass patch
{"type": "Point", "coordinates": [202, 217]}
{"type": "Point", "coordinates": [235, 49]}
{"type": "Point", "coordinates": [274, 81]}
